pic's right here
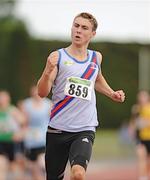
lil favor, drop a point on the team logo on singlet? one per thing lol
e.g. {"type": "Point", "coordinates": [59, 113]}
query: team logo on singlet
{"type": "Point", "coordinates": [68, 63]}
{"type": "Point", "coordinates": [93, 65]}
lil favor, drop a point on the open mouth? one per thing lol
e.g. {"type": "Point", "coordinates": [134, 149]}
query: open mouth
{"type": "Point", "coordinates": [78, 37]}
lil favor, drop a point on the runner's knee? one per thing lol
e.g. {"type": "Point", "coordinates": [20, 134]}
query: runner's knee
{"type": "Point", "coordinates": [77, 172]}
{"type": "Point", "coordinates": [80, 160]}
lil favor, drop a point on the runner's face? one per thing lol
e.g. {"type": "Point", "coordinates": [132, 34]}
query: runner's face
{"type": "Point", "coordinates": [81, 31]}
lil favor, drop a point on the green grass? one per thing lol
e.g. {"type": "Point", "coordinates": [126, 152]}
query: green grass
{"type": "Point", "coordinates": [107, 145]}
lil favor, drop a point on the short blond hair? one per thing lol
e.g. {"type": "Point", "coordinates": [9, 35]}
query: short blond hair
{"type": "Point", "coordinates": [90, 17]}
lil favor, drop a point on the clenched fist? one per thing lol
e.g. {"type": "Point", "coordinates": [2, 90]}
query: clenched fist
{"type": "Point", "coordinates": [118, 96]}
{"type": "Point", "coordinates": [51, 63]}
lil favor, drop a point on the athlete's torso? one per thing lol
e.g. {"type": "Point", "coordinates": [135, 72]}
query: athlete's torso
{"type": "Point", "coordinates": [145, 118]}
{"type": "Point", "coordinates": [78, 113]}
{"type": "Point", "coordinates": [37, 122]}
{"type": "Point", "coordinates": [8, 125]}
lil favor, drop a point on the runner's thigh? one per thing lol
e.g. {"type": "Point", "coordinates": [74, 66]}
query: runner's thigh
{"type": "Point", "coordinates": [56, 156]}
{"type": "Point", "coordinates": [81, 149]}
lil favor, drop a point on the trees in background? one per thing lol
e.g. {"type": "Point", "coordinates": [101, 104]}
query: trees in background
{"type": "Point", "coordinates": [22, 59]}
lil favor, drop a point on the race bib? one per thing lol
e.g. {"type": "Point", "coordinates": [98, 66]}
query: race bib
{"type": "Point", "coordinates": [78, 87]}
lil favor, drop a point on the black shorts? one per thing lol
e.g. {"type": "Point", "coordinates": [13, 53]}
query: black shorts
{"type": "Point", "coordinates": [8, 149]}
{"type": "Point", "coordinates": [147, 145]}
{"type": "Point", "coordinates": [32, 154]}
{"type": "Point", "coordinates": [61, 146]}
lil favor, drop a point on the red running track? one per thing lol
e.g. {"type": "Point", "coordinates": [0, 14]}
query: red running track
{"type": "Point", "coordinates": [109, 172]}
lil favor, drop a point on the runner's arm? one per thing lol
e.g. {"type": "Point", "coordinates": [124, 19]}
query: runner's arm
{"type": "Point", "coordinates": [48, 76]}
{"type": "Point", "coordinates": [102, 86]}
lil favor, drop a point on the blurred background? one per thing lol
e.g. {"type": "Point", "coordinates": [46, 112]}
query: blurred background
{"type": "Point", "coordinates": [31, 29]}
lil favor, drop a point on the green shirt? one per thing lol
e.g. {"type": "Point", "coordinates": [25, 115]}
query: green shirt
{"type": "Point", "coordinates": [6, 125]}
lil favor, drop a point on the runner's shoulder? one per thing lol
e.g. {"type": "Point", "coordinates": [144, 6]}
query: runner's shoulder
{"type": "Point", "coordinates": [99, 56]}
{"type": "Point", "coordinates": [53, 56]}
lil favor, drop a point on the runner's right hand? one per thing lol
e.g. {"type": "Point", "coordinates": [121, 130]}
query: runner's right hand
{"type": "Point", "coordinates": [51, 63]}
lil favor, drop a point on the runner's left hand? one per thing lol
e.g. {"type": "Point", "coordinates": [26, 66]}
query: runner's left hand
{"type": "Point", "coordinates": [118, 96]}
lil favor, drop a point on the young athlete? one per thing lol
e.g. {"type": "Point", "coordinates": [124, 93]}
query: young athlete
{"type": "Point", "coordinates": [37, 112]}
{"type": "Point", "coordinates": [73, 73]}
{"type": "Point", "coordinates": [141, 114]}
